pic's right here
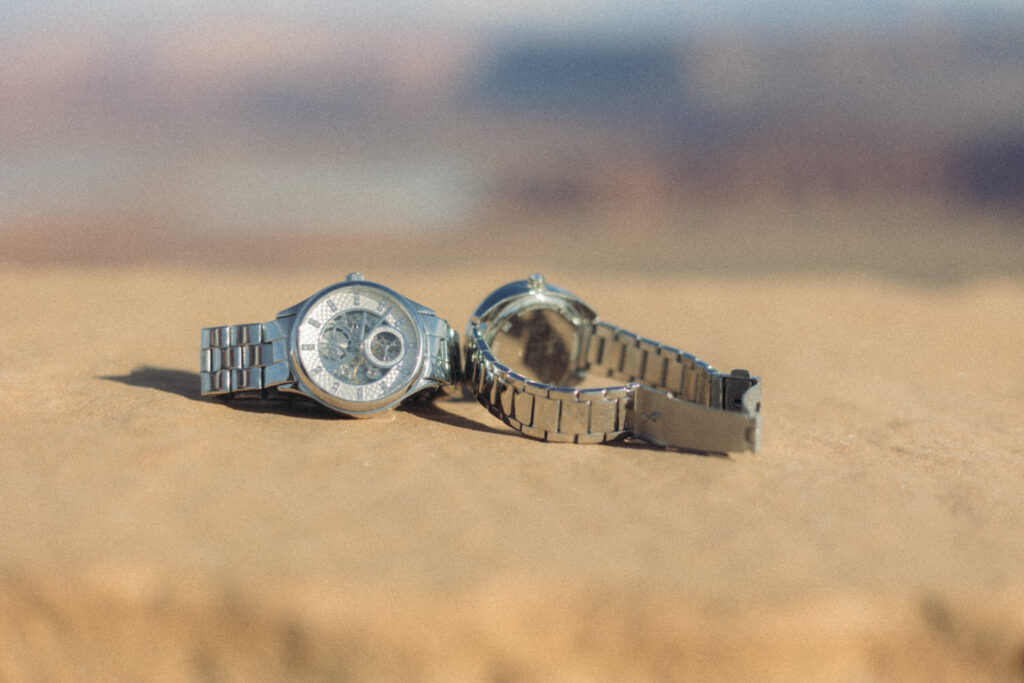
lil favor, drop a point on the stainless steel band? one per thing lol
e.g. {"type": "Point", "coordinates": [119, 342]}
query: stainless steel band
{"type": "Point", "coordinates": [670, 398]}
{"type": "Point", "coordinates": [624, 356]}
{"type": "Point", "coordinates": [678, 399]}
{"type": "Point", "coordinates": [249, 359]}
{"type": "Point", "coordinates": [245, 358]}
{"type": "Point", "coordinates": [541, 410]}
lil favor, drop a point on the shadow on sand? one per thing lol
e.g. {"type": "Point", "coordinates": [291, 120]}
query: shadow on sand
{"type": "Point", "coordinates": [186, 384]}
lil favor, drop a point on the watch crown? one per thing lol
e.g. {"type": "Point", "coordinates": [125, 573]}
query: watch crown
{"type": "Point", "coordinates": [354, 277]}
{"type": "Point", "coordinates": [535, 282]}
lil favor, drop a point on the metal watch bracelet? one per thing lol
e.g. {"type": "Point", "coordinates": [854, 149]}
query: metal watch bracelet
{"type": "Point", "coordinates": [244, 359]}
{"type": "Point", "coordinates": [670, 398]}
{"type": "Point", "coordinates": [252, 360]}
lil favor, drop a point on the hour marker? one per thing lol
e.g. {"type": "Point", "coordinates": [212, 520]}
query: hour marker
{"type": "Point", "coordinates": [359, 394]}
{"type": "Point", "coordinates": [332, 306]}
{"type": "Point", "coordinates": [355, 299]}
{"type": "Point", "coordinates": [314, 323]}
{"type": "Point", "coordinates": [308, 347]}
{"type": "Point", "coordinates": [381, 305]}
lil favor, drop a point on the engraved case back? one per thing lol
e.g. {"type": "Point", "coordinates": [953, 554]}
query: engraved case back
{"type": "Point", "coordinates": [537, 330]}
{"type": "Point", "coordinates": [538, 343]}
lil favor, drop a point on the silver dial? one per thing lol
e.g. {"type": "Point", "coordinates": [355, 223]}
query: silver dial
{"type": "Point", "coordinates": [358, 343]}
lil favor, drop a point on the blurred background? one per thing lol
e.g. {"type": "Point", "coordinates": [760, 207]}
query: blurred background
{"type": "Point", "coordinates": [880, 136]}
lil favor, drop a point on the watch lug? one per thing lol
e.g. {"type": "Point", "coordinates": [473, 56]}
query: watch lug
{"type": "Point", "coordinates": [423, 384]}
{"type": "Point", "coordinates": [279, 328]}
{"type": "Point", "coordinates": [293, 310]}
{"type": "Point", "coordinates": [440, 352]}
{"type": "Point", "coordinates": [419, 308]}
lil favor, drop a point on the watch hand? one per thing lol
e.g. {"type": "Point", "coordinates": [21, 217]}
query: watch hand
{"type": "Point", "coordinates": [383, 319]}
{"type": "Point", "coordinates": [362, 328]}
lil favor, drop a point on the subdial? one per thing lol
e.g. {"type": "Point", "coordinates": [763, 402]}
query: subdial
{"type": "Point", "coordinates": [334, 341]}
{"type": "Point", "coordinates": [384, 348]}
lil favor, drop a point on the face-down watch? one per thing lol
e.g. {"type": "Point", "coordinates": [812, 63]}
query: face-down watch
{"type": "Point", "coordinates": [530, 344]}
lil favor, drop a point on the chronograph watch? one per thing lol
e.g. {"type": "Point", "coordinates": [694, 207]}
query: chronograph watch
{"type": "Point", "coordinates": [357, 347]}
{"type": "Point", "coordinates": [529, 346]}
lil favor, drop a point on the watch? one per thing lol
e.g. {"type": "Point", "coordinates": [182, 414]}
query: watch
{"type": "Point", "coordinates": [530, 344]}
{"type": "Point", "coordinates": [356, 347]}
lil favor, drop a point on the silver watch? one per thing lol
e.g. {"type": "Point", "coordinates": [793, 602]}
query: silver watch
{"type": "Point", "coordinates": [357, 347]}
{"type": "Point", "coordinates": [529, 344]}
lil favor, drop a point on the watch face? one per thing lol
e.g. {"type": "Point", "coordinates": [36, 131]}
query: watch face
{"type": "Point", "coordinates": [358, 346]}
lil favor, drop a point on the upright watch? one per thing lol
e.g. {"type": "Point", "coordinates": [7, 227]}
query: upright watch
{"type": "Point", "coordinates": [530, 344]}
{"type": "Point", "coordinates": [357, 347]}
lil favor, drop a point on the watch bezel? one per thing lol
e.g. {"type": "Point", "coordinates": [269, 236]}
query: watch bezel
{"type": "Point", "coordinates": [349, 407]}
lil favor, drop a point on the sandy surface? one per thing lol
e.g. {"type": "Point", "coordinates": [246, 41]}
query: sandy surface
{"type": "Point", "coordinates": [878, 535]}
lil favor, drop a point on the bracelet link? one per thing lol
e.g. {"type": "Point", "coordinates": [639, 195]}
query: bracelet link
{"type": "Point", "coordinates": [240, 359]}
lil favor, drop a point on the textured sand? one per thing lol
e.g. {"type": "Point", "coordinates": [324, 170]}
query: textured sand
{"type": "Point", "coordinates": [878, 535]}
